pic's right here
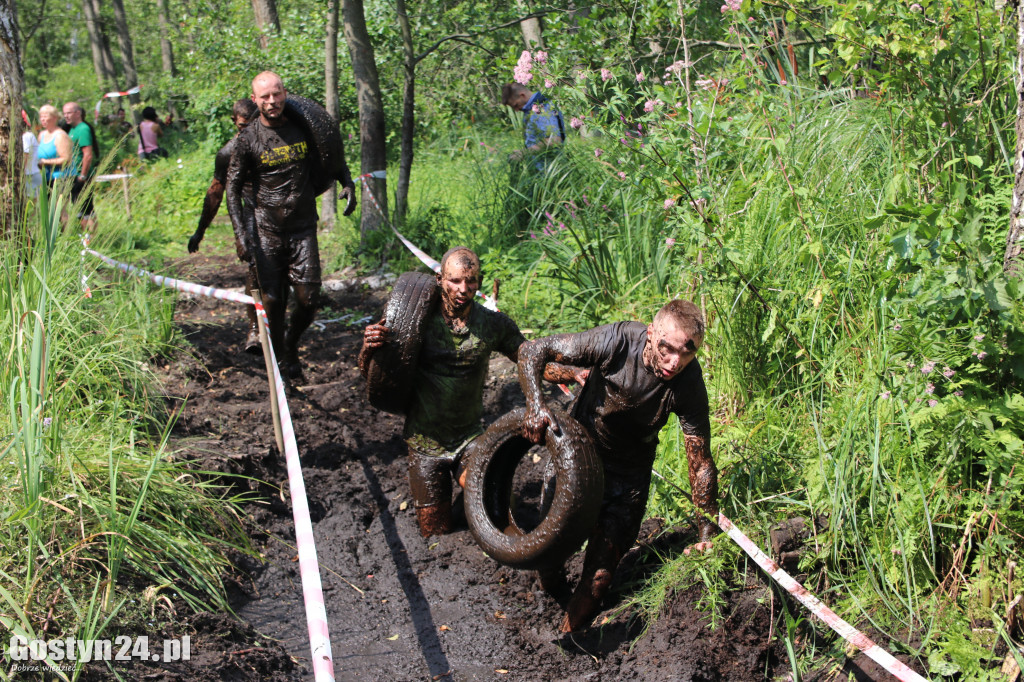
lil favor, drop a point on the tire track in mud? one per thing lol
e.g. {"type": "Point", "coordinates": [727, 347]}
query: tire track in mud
{"type": "Point", "coordinates": [400, 607]}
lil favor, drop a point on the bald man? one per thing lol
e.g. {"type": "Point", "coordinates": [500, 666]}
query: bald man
{"type": "Point", "coordinates": [274, 155]}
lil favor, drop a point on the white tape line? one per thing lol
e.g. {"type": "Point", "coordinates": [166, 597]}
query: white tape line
{"type": "Point", "coordinates": [108, 177]}
{"type": "Point", "coordinates": [309, 568]}
{"type": "Point", "coordinates": [851, 634]}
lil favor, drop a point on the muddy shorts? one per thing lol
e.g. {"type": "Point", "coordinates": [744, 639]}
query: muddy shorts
{"type": "Point", "coordinates": [431, 468]}
{"type": "Point", "coordinates": [293, 258]}
{"type": "Point", "coordinates": [624, 503]}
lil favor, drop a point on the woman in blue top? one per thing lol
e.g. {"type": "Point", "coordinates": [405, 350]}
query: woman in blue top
{"type": "Point", "coordinates": [55, 158]}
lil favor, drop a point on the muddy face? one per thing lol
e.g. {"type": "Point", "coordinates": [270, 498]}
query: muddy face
{"type": "Point", "coordinates": [240, 122]}
{"type": "Point", "coordinates": [459, 282]}
{"type": "Point", "coordinates": [269, 95]}
{"type": "Point", "coordinates": [669, 348]}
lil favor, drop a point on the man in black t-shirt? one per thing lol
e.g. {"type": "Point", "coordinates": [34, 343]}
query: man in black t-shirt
{"type": "Point", "coordinates": [243, 112]}
{"type": "Point", "coordinates": [275, 155]}
{"type": "Point", "coordinates": [639, 375]}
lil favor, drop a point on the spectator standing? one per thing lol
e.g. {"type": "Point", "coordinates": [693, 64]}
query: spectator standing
{"type": "Point", "coordinates": [56, 159]}
{"type": "Point", "coordinates": [86, 155]}
{"type": "Point", "coordinates": [150, 133]}
{"type": "Point", "coordinates": [543, 126]}
{"type": "Point", "coordinates": [30, 158]}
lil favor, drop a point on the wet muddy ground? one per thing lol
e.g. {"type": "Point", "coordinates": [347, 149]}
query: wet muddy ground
{"type": "Point", "coordinates": [400, 607]}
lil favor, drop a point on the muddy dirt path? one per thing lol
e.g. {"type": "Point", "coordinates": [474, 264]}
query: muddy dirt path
{"type": "Point", "coordinates": [400, 607]}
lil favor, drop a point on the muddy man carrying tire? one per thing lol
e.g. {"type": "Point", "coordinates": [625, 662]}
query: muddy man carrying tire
{"type": "Point", "coordinates": [443, 351]}
{"type": "Point", "coordinates": [639, 375]}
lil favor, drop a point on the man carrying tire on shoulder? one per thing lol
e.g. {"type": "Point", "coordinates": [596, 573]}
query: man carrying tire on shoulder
{"type": "Point", "coordinates": [243, 111]}
{"type": "Point", "coordinates": [446, 406]}
{"type": "Point", "coordinates": [639, 374]}
{"type": "Point", "coordinates": [275, 154]}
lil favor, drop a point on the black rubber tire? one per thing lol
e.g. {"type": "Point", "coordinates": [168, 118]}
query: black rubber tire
{"type": "Point", "coordinates": [392, 367]}
{"type": "Point", "coordinates": [491, 462]}
{"type": "Point", "coordinates": [328, 153]}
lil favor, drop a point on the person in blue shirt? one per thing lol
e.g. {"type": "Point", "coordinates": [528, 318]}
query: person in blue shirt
{"type": "Point", "coordinates": [542, 122]}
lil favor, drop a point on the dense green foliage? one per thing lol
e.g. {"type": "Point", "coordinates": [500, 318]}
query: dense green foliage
{"type": "Point", "coordinates": [829, 180]}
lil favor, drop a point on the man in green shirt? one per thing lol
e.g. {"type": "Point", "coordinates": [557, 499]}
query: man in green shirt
{"type": "Point", "coordinates": [85, 159]}
{"type": "Point", "coordinates": [447, 403]}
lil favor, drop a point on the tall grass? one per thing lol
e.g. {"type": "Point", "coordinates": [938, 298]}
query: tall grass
{"type": "Point", "coordinates": [95, 508]}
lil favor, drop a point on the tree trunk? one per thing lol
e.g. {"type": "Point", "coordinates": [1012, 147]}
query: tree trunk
{"type": "Point", "coordinates": [531, 28]}
{"type": "Point", "coordinates": [11, 85]}
{"type": "Point", "coordinates": [329, 204]}
{"type": "Point", "coordinates": [1015, 238]}
{"type": "Point", "coordinates": [265, 12]}
{"type": "Point", "coordinates": [373, 156]}
{"type": "Point", "coordinates": [124, 38]}
{"type": "Point", "coordinates": [166, 48]}
{"type": "Point", "coordinates": [408, 116]}
{"type": "Point", "coordinates": [104, 76]}
{"type": "Point", "coordinates": [108, 56]}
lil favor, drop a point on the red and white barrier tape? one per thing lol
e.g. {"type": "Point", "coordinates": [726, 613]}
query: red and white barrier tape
{"type": "Point", "coordinates": [130, 91]}
{"type": "Point", "coordinates": [851, 634]}
{"type": "Point", "coordinates": [489, 302]}
{"type": "Point", "coordinates": [309, 567]}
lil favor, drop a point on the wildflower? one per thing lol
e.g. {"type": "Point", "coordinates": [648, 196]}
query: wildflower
{"type": "Point", "coordinates": [885, 395]}
{"type": "Point", "coordinates": [548, 83]}
{"type": "Point", "coordinates": [929, 389]}
{"type": "Point", "coordinates": [948, 373]}
{"type": "Point", "coordinates": [576, 123]}
{"type": "Point", "coordinates": [650, 104]}
{"type": "Point", "coordinates": [47, 421]}
{"type": "Point", "coordinates": [677, 67]}
{"type": "Point", "coordinates": [540, 57]}
{"type": "Point", "coordinates": [536, 108]}
{"type": "Point", "coordinates": [597, 154]}
{"type": "Point", "coordinates": [670, 241]}
{"type": "Point", "coordinates": [982, 355]}
{"type": "Point", "coordinates": [958, 394]}
{"type": "Point", "coordinates": [911, 365]}
{"type": "Point", "coordinates": [606, 74]}
{"type": "Point", "coordinates": [897, 327]}
{"type": "Point", "coordinates": [933, 402]}
{"type": "Point", "coordinates": [979, 337]}
{"type": "Point", "coordinates": [622, 175]}
{"type": "Point", "coordinates": [669, 203]}
{"type": "Point", "coordinates": [731, 6]}
{"type": "Point", "coordinates": [640, 76]}
{"type": "Point", "coordinates": [705, 83]}
{"type": "Point", "coordinates": [522, 74]}
{"type": "Point", "coordinates": [916, 8]}
{"type": "Point", "coordinates": [927, 367]}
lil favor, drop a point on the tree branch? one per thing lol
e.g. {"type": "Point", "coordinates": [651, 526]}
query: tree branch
{"type": "Point", "coordinates": [474, 34]}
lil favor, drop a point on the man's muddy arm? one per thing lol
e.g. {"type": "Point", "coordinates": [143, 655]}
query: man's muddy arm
{"type": "Point", "coordinates": [211, 204]}
{"type": "Point", "coordinates": [534, 357]}
{"type": "Point", "coordinates": [557, 373]}
{"type": "Point", "coordinates": [374, 336]}
{"type": "Point", "coordinates": [237, 173]}
{"type": "Point", "coordinates": [703, 483]}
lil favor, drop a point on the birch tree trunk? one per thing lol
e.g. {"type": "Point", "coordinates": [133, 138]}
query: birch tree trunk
{"type": "Point", "coordinates": [105, 75]}
{"type": "Point", "coordinates": [408, 115]}
{"type": "Point", "coordinates": [265, 12]}
{"type": "Point", "coordinates": [1012, 265]}
{"type": "Point", "coordinates": [124, 39]}
{"type": "Point", "coordinates": [373, 154]}
{"type": "Point", "coordinates": [108, 56]}
{"type": "Point", "coordinates": [11, 87]}
{"type": "Point", "coordinates": [329, 204]}
{"type": "Point", "coordinates": [531, 29]}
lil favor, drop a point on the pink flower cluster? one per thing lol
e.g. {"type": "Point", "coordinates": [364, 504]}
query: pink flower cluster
{"type": "Point", "coordinates": [732, 6]}
{"type": "Point", "coordinates": [576, 123]}
{"type": "Point", "coordinates": [675, 68]}
{"type": "Point", "coordinates": [606, 74]}
{"type": "Point", "coordinates": [650, 104]}
{"type": "Point", "coordinates": [522, 74]}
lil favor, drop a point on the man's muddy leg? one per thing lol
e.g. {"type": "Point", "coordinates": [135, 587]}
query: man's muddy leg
{"type": "Point", "coordinates": [704, 484]}
{"type": "Point", "coordinates": [598, 570]}
{"type": "Point", "coordinates": [430, 479]}
{"type": "Point", "coordinates": [274, 285]}
{"type": "Point", "coordinates": [307, 297]}
{"type": "Point", "coordinates": [252, 339]}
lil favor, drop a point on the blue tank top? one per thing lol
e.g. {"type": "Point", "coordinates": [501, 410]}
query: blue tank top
{"type": "Point", "coordinates": [48, 150]}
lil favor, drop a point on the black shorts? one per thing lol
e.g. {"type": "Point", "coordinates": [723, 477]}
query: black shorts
{"type": "Point", "coordinates": [287, 258]}
{"type": "Point", "coordinates": [87, 209]}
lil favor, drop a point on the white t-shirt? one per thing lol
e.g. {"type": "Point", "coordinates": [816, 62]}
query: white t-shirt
{"type": "Point", "coordinates": [30, 145]}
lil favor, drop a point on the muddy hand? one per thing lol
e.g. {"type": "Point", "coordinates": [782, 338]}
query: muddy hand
{"type": "Point", "coordinates": [698, 547]}
{"type": "Point", "coordinates": [535, 424]}
{"type": "Point", "coordinates": [581, 376]}
{"type": "Point", "coordinates": [349, 192]}
{"type": "Point", "coordinates": [193, 242]}
{"type": "Point", "coordinates": [375, 335]}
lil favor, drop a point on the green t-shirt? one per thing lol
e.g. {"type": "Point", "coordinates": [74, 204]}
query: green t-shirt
{"type": "Point", "coordinates": [447, 400]}
{"type": "Point", "coordinates": [81, 136]}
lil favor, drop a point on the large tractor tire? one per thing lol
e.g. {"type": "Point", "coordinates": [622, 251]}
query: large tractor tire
{"type": "Point", "coordinates": [392, 367]}
{"type": "Point", "coordinates": [328, 151]}
{"type": "Point", "coordinates": [579, 488]}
